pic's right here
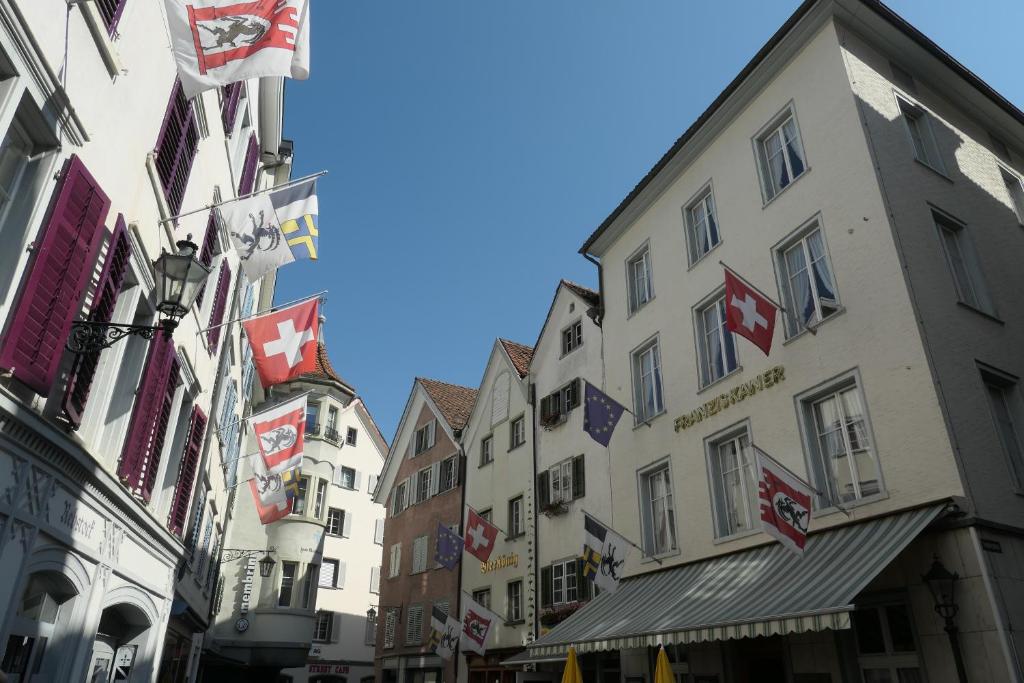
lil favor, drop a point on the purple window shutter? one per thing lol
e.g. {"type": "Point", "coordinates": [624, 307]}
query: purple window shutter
{"type": "Point", "coordinates": [141, 454]}
{"type": "Point", "coordinates": [109, 286]}
{"type": "Point", "coordinates": [206, 253]}
{"type": "Point", "coordinates": [176, 147]}
{"type": "Point", "coordinates": [55, 282]}
{"type": "Point", "coordinates": [219, 304]}
{"type": "Point", "coordinates": [187, 472]}
{"type": "Point", "coordinates": [252, 160]}
{"type": "Point", "coordinates": [111, 11]}
{"type": "Point", "coordinates": [231, 95]}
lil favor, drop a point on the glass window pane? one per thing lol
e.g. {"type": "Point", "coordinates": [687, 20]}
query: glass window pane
{"type": "Point", "coordinates": [868, 627]}
{"type": "Point", "coordinates": [900, 630]}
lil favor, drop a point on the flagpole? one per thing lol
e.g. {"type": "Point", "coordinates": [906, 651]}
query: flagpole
{"type": "Point", "coordinates": [272, 309]}
{"type": "Point", "coordinates": [489, 522]}
{"type": "Point", "coordinates": [595, 518]}
{"type": "Point", "coordinates": [495, 613]}
{"type": "Point", "coordinates": [800, 479]}
{"type": "Point", "coordinates": [210, 207]}
{"type": "Point", "coordinates": [245, 419]}
{"type": "Point", "coordinates": [646, 423]}
{"type": "Point", "coordinates": [772, 301]}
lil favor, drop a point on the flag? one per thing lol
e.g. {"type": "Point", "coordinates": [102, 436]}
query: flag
{"type": "Point", "coordinates": [785, 502]}
{"type": "Point", "coordinates": [476, 624]}
{"type": "Point", "coordinates": [268, 492]}
{"type": "Point", "coordinates": [449, 547]}
{"type": "Point", "coordinates": [279, 433]}
{"type": "Point", "coordinates": [284, 342]}
{"type": "Point", "coordinates": [748, 313]}
{"type": "Point", "coordinates": [297, 208]}
{"type": "Point", "coordinates": [290, 482]}
{"type": "Point", "coordinates": [444, 633]}
{"type": "Point", "coordinates": [480, 536]}
{"type": "Point", "coordinates": [604, 554]}
{"type": "Point", "coordinates": [600, 414]}
{"type": "Point", "coordinates": [218, 42]}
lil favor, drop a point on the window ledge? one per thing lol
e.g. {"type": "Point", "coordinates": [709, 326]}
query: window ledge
{"type": "Point", "coordinates": [516, 537]}
{"type": "Point", "coordinates": [937, 171]}
{"type": "Point", "coordinates": [781, 192]}
{"type": "Point", "coordinates": [728, 375]}
{"type": "Point", "coordinates": [100, 35]}
{"type": "Point", "coordinates": [704, 256]}
{"type": "Point", "coordinates": [661, 556]}
{"type": "Point", "coordinates": [648, 421]}
{"type": "Point", "coordinates": [639, 308]}
{"type": "Point", "coordinates": [834, 509]}
{"type": "Point", "coordinates": [485, 464]}
{"type": "Point", "coordinates": [985, 314]}
{"type": "Point", "coordinates": [807, 330]}
{"type": "Point", "coordinates": [515, 622]}
{"type": "Point", "coordinates": [569, 353]}
{"type": "Point", "coordinates": [737, 536]}
{"type": "Point", "coordinates": [516, 447]}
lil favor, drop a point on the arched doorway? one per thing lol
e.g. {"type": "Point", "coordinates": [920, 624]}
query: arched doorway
{"type": "Point", "coordinates": [120, 637]}
{"type": "Point", "coordinates": [45, 605]}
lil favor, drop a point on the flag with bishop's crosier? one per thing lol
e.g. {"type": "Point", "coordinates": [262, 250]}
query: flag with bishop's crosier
{"type": "Point", "coordinates": [284, 343]}
{"type": "Point", "coordinates": [279, 433]}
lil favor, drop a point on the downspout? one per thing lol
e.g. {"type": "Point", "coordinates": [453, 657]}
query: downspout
{"type": "Point", "coordinates": [531, 400]}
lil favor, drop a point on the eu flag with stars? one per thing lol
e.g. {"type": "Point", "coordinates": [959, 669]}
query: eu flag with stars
{"type": "Point", "coordinates": [600, 414]}
{"type": "Point", "coordinates": [449, 547]}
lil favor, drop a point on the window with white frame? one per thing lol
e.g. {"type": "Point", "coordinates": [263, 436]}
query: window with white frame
{"type": "Point", "coordinates": [423, 484]}
{"type": "Point", "coordinates": [1015, 189]}
{"type": "Point", "coordinates": [517, 432]}
{"type": "Point", "coordinates": [328, 574]}
{"type": "Point", "coordinates": [312, 571]}
{"type": "Point", "coordinates": [483, 597]}
{"type": "Point", "coordinates": [562, 482]}
{"type": "Point", "coordinates": [449, 474]}
{"type": "Point", "coordinates": [515, 517]}
{"type": "Point", "coordinates": [419, 554]}
{"type": "Point", "coordinates": [351, 435]}
{"type": "Point", "coordinates": [658, 514]}
{"type": "Point", "coordinates": [806, 280]}
{"type": "Point", "coordinates": [400, 498]}
{"type": "Point", "coordinates": [299, 502]}
{"type": "Point", "coordinates": [485, 514]}
{"type": "Point", "coordinates": [556, 406]}
{"type": "Point", "coordinates": [572, 337]}
{"type": "Point", "coordinates": [335, 521]}
{"type": "Point", "coordinates": [638, 278]}
{"type": "Point", "coordinates": [324, 626]}
{"type": "Point", "coordinates": [716, 346]}
{"type": "Point", "coordinates": [886, 644]}
{"type": "Point", "coordinates": [963, 263]}
{"type": "Point", "coordinates": [1005, 404]}
{"type": "Point", "coordinates": [564, 582]}
{"type": "Point", "coordinates": [395, 560]}
{"type": "Point", "coordinates": [647, 389]}
{"type": "Point", "coordinates": [844, 466]}
{"type": "Point", "coordinates": [284, 594]}
{"type": "Point", "coordinates": [733, 482]}
{"type": "Point", "coordinates": [487, 450]}
{"type": "Point", "coordinates": [425, 437]}
{"type": "Point", "coordinates": [321, 494]}
{"type": "Point", "coordinates": [780, 154]}
{"type": "Point", "coordinates": [514, 601]}
{"type": "Point", "coordinates": [332, 422]}
{"type": "Point", "coordinates": [701, 225]}
{"type": "Point", "coordinates": [348, 478]}
{"type": "Point", "coordinates": [922, 137]}
{"type": "Point", "coordinates": [390, 626]}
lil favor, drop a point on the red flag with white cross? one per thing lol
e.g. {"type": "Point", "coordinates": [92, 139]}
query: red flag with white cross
{"type": "Point", "coordinates": [284, 342]}
{"type": "Point", "coordinates": [481, 536]}
{"type": "Point", "coordinates": [749, 313]}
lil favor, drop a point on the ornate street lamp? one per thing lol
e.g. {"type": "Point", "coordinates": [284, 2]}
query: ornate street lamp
{"type": "Point", "coordinates": [266, 565]}
{"type": "Point", "coordinates": [942, 584]}
{"type": "Point", "coordinates": [179, 279]}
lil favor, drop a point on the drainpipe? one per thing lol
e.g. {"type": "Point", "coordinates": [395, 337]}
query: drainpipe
{"type": "Point", "coordinates": [531, 401]}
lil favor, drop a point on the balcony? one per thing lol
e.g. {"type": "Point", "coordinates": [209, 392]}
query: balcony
{"type": "Point", "coordinates": [331, 434]}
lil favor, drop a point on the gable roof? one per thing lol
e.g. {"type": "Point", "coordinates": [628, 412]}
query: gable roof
{"type": "Point", "coordinates": [519, 354]}
{"type": "Point", "coordinates": [585, 293]}
{"type": "Point", "coordinates": [455, 402]}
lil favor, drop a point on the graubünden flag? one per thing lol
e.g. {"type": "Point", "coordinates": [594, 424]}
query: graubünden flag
{"type": "Point", "coordinates": [268, 492]}
{"type": "Point", "coordinates": [279, 433]}
{"type": "Point", "coordinates": [284, 342]}
{"type": "Point", "coordinates": [748, 312]}
{"type": "Point", "coordinates": [785, 502]}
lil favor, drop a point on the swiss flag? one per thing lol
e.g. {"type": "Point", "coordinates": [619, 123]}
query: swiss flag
{"type": "Point", "coordinates": [284, 342]}
{"type": "Point", "coordinates": [480, 536]}
{"type": "Point", "coordinates": [785, 502]}
{"type": "Point", "coordinates": [748, 312]}
{"type": "Point", "coordinates": [279, 433]}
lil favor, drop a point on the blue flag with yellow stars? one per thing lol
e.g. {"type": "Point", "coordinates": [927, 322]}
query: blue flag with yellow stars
{"type": "Point", "coordinates": [600, 414]}
{"type": "Point", "coordinates": [449, 547]}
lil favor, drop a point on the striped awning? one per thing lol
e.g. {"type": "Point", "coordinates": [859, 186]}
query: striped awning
{"type": "Point", "coordinates": [759, 592]}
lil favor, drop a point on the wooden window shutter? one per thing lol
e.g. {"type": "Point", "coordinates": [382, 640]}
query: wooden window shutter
{"type": "Point", "coordinates": [346, 526]}
{"type": "Point", "coordinates": [206, 252]}
{"type": "Point", "coordinates": [545, 587]}
{"type": "Point", "coordinates": [152, 413]}
{"type": "Point", "coordinates": [83, 371]}
{"type": "Point", "coordinates": [252, 160]}
{"type": "Point", "coordinates": [579, 483]}
{"type": "Point", "coordinates": [220, 303]}
{"type": "Point", "coordinates": [187, 471]}
{"type": "Point", "coordinates": [111, 11]}
{"type": "Point", "coordinates": [55, 282]}
{"type": "Point", "coordinates": [176, 147]}
{"type": "Point", "coordinates": [543, 489]}
{"type": "Point", "coordinates": [231, 94]}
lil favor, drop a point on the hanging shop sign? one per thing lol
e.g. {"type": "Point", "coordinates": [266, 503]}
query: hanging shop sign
{"type": "Point", "coordinates": [500, 562]}
{"type": "Point", "coordinates": [766, 379]}
{"type": "Point", "coordinates": [242, 625]}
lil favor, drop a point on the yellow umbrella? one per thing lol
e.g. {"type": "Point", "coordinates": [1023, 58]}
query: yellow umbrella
{"type": "Point", "coordinates": [663, 671]}
{"type": "Point", "coordinates": [572, 669]}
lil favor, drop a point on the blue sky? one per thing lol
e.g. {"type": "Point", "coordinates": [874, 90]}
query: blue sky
{"type": "Point", "coordinates": [473, 145]}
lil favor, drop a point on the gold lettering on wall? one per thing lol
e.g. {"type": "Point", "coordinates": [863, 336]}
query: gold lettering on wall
{"type": "Point", "coordinates": [766, 379]}
{"type": "Point", "coordinates": [500, 562]}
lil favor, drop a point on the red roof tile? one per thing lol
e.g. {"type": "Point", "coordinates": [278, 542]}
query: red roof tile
{"type": "Point", "coordinates": [585, 293]}
{"type": "Point", "coordinates": [521, 355]}
{"type": "Point", "coordinates": [454, 402]}
{"type": "Point", "coordinates": [324, 369]}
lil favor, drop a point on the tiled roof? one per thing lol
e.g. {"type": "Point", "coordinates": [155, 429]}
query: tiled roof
{"type": "Point", "coordinates": [521, 354]}
{"type": "Point", "coordinates": [585, 293]}
{"type": "Point", "coordinates": [324, 369]}
{"type": "Point", "coordinates": [454, 402]}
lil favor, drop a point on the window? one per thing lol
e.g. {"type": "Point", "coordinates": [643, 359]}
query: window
{"type": "Point", "coordinates": [843, 465]}
{"type": "Point", "coordinates": [324, 625]}
{"type": "Point", "coordinates": [425, 437]}
{"type": "Point", "coordinates": [395, 562]}
{"type": "Point", "coordinates": [176, 148]}
{"type": "Point", "coordinates": [1005, 405]}
{"type": "Point", "coordinates": [517, 432]}
{"type": "Point", "coordinates": [284, 595]}
{"type": "Point", "coordinates": [919, 126]}
{"type": "Point", "coordinates": [400, 498]}
{"type": "Point", "coordinates": [483, 597]}
{"type": "Point", "coordinates": [702, 226]}
{"type": "Point", "coordinates": [335, 521]}
{"type": "Point", "coordinates": [350, 436]}
{"type": "Point", "coordinates": [1014, 188]}
{"type": "Point", "coordinates": [638, 279]}
{"type": "Point", "coordinates": [556, 406]}
{"type": "Point", "coordinates": [331, 430]}
{"type": "Point", "coordinates": [424, 482]}
{"type": "Point", "coordinates": [963, 265]}
{"type": "Point", "coordinates": [390, 626]}
{"type": "Point", "coordinates": [487, 450]}
{"type": "Point", "coordinates": [419, 554]}
{"type": "Point", "coordinates": [733, 483]}
{"type": "Point", "coordinates": [716, 346]}
{"type": "Point", "coordinates": [348, 478]}
{"type": "Point", "coordinates": [886, 644]}
{"type": "Point", "coordinates": [321, 492]}
{"type": "Point", "coordinates": [414, 625]}
{"type": "Point", "coordinates": [564, 582]}
{"type": "Point", "coordinates": [562, 482]}
{"type": "Point", "coordinates": [449, 474]}
{"type": "Point", "coordinates": [647, 397]}
{"type": "Point", "coordinates": [780, 154]}
{"type": "Point", "coordinates": [313, 418]}
{"type": "Point", "coordinates": [299, 502]}
{"type": "Point", "coordinates": [807, 283]}
{"type": "Point", "coordinates": [658, 514]}
{"type": "Point", "coordinates": [514, 601]}
{"type": "Point", "coordinates": [572, 337]}
{"type": "Point", "coordinates": [515, 517]}
{"type": "Point", "coordinates": [328, 574]}
{"type": "Point", "coordinates": [485, 514]}
{"type": "Point", "coordinates": [312, 570]}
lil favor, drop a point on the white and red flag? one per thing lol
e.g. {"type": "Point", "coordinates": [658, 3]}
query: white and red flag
{"type": "Point", "coordinates": [268, 492]}
{"type": "Point", "coordinates": [748, 312]}
{"type": "Point", "coordinates": [284, 342]}
{"type": "Point", "coordinates": [785, 502]}
{"type": "Point", "coordinates": [476, 625]}
{"type": "Point", "coordinates": [218, 42]}
{"type": "Point", "coordinates": [481, 536]}
{"type": "Point", "coordinates": [279, 433]}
